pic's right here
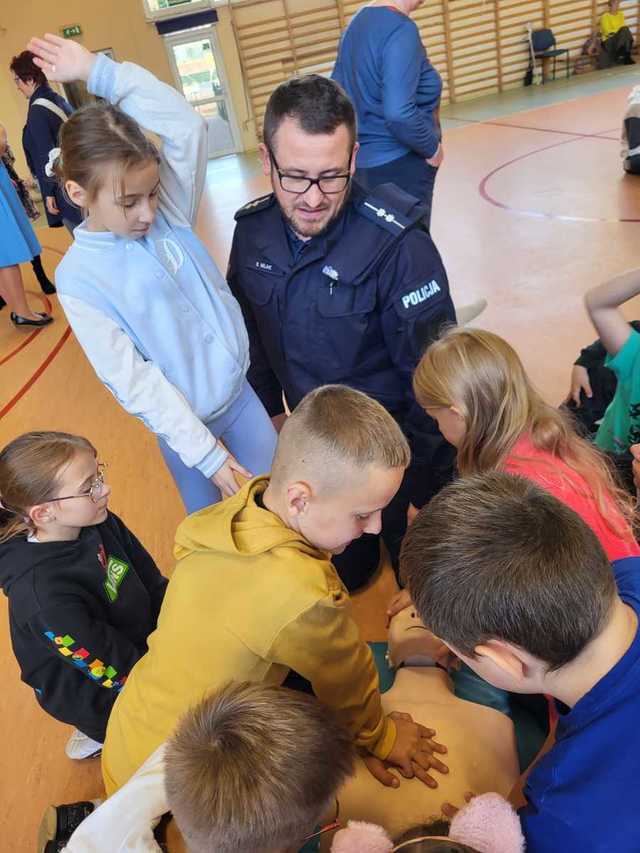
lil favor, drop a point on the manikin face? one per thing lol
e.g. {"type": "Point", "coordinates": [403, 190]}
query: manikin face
{"type": "Point", "coordinates": [450, 423]}
{"type": "Point", "coordinates": [63, 519]}
{"type": "Point", "coordinates": [334, 517]}
{"type": "Point", "coordinates": [413, 644]}
{"type": "Point", "coordinates": [127, 210]}
{"type": "Point", "coordinates": [302, 154]}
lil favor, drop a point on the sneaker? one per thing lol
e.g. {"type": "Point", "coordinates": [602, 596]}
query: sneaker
{"type": "Point", "coordinates": [60, 822]}
{"type": "Point", "coordinates": [80, 746]}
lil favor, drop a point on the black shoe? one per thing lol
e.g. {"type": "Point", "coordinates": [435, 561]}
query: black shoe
{"type": "Point", "coordinates": [60, 822]}
{"type": "Point", "coordinates": [2, 303]}
{"type": "Point", "coordinates": [46, 285]}
{"type": "Point", "coordinates": [17, 320]}
{"type": "Point", "coordinates": [628, 60]}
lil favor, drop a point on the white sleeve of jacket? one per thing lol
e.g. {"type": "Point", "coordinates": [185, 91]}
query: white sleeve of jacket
{"type": "Point", "coordinates": [164, 111]}
{"type": "Point", "coordinates": [141, 388]}
{"type": "Point", "coordinates": [125, 822]}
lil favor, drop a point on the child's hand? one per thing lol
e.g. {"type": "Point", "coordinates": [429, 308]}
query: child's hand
{"type": "Point", "coordinates": [399, 601]}
{"type": "Point", "coordinates": [579, 382]}
{"type": "Point", "coordinates": [61, 59]}
{"type": "Point", "coordinates": [225, 478]}
{"type": "Point", "coordinates": [413, 750]}
{"type": "Point", "coordinates": [635, 465]}
{"type": "Point", "coordinates": [450, 811]}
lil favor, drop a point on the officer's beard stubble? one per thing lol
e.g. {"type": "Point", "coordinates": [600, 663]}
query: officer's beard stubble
{"type": "Point", "coordinates": [306, 231]}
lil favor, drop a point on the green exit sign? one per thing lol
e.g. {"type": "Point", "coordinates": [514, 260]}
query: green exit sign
{"type": "Point", "coordinates": [71, 32]}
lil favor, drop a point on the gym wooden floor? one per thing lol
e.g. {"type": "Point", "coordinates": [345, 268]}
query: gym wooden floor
{"type": "Point", "coordinates": [531, 210]}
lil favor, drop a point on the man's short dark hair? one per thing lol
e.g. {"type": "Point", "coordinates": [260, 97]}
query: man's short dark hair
{"type": "Point", "coordinates": [318, 104]}
{"type": "Point", "coordinates": [495, 556]}
{"type": "Point", "coordinates": [25, 68]}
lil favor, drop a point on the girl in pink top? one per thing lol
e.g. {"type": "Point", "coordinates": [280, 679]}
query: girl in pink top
{"type": "Point", "coordinates": [475, 386]}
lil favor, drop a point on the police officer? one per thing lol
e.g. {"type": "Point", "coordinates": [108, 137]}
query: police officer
{"type": "Point", "coordinates": [337, 285]}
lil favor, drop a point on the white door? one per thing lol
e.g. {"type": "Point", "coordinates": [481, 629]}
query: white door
{"type": "Point", "coordinates": [199, 73]}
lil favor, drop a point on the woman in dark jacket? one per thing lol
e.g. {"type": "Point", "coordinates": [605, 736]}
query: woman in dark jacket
{"type": "Point", "coordinates": [47, 112]}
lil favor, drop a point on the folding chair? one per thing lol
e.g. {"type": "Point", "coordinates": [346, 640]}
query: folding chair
{"type": "Point", "coordinates": [543, 46]}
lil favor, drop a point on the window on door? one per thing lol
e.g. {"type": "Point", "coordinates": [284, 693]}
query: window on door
{"type": "Point", "coordinates": [199, 73]}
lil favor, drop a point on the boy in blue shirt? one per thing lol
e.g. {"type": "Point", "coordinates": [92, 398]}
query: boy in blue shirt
{"type": "Point", "coordinates": [520, 589]}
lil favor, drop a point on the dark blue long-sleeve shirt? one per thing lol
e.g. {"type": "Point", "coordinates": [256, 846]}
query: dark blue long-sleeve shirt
{"type": "Point", "coordinates": [383, 67]}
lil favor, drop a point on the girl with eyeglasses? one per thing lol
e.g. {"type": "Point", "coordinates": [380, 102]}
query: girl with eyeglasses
{"type": "Point", "coordinates": [83, 592]}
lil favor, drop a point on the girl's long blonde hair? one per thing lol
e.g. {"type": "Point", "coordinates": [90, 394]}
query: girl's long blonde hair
{"type": "Point", "coordinates": [482, 376]}
{"type": "Point", "coordinates": [29, 472]}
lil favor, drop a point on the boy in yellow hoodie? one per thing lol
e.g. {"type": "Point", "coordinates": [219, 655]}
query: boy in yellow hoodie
{"type": "Point", "coordinates": [254, 594]}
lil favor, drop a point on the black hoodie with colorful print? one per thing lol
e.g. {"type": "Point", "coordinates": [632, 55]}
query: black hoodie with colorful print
{"type": "Point", "coordinates": [80, 613]}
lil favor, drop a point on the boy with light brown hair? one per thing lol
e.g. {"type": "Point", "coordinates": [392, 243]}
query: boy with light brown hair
{"type": "Point", "coordinates": [254, 594]}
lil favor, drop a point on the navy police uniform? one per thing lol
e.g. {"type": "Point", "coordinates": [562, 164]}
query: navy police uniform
{"type": "Point", "coordinates": [356, 305]}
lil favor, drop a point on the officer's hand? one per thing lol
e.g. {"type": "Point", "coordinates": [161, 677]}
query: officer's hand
{"type": "Point", "coordinates": [437, 158]}
{"type": "Point", "coordinates": [579, 382]}
{"type": "Point", "coordinates": [225, 477]}
{"type": "Point", "coordinates": [52, 207]}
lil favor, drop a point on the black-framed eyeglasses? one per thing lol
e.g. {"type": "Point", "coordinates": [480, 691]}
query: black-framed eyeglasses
{"type": "Point", "coordinates": [329, 827]}
{"type": "Point", "coordinates": [95, 489]}
{"type": "Point", "coordinates": [298, 185]}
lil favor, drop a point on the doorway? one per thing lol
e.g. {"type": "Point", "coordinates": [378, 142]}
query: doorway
{"type": "Point", "coordinates": [198, 69]}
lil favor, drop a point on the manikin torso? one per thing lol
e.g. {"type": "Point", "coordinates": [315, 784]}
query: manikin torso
{"type": "Point", "coordinates": [481, 741]}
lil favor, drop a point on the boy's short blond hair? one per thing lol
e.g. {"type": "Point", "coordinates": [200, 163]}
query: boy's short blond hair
{"type": "Point", "coordinates": [334, 427]}
{"type": "Point", "coordinates": [254, 767]}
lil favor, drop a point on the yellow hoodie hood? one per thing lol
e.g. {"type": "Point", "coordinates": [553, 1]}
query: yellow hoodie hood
{"type": "Point", "coordinates": [240, 526]}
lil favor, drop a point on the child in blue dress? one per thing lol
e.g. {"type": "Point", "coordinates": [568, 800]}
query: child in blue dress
{"type": "Point", "coordinates": [18, 243]}
{"type": "Point", "coordinates": [147, 304]}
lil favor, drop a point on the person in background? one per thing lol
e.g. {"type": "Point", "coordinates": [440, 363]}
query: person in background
{"type": "Point", "coordinates": [617, 40]}
{"type": "Point", "coordinates": [18, 243]}
{"type": "Point", "coordinates": [47, 112]}
{"type": "Point", "coordinates": [8, 158]}
{"type": "Point", "coordinates": [383, 67]}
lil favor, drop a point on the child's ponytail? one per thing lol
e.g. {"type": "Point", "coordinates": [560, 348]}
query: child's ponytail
{"type": "Point", "coordinates": [29, 469]}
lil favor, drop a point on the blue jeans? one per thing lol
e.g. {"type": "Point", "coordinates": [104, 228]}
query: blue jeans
{"type": "Point", "coordinates": [411, 173]}
{"type": "Point", "coordinates": [247, 433]}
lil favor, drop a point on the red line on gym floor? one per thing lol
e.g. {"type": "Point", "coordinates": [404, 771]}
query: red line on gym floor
{"type": "Point", "coordinates": [54, 352]}
{"type": "Point", "coordinates": [536, 214]}
{"type": "Point", "coordinates": [32, 335]}
{"type": "Point", "coordinates": [48, 359]}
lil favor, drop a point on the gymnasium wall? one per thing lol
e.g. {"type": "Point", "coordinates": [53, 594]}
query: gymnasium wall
{"type": "Point", "coordinates": [478, 46]}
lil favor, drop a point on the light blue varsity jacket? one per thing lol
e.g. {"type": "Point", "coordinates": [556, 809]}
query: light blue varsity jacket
{"type": "Point", "coordinates": [155, 316]}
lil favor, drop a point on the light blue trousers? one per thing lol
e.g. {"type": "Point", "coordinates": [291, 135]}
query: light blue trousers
{"type": "Point", "coordinates": [246, 431]}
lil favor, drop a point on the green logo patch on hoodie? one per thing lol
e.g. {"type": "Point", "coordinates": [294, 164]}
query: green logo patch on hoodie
{"type": "Point", "coordinates": [116, 573]}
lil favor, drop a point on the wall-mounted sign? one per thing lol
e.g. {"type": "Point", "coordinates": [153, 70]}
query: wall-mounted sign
{"type": "Point", "coordinates": [72, 31]}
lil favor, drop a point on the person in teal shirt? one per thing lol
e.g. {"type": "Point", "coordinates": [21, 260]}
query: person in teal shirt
{"type": "Point", "coordinates": [620, 427]}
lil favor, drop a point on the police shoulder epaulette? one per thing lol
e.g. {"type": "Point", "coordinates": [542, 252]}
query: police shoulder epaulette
{"type": "Point", "coordinates": [254, 206]}
{"type": "Point", "coordinates": [392, 208]}
{"type": "Point", "coordinates": [391, 220]}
